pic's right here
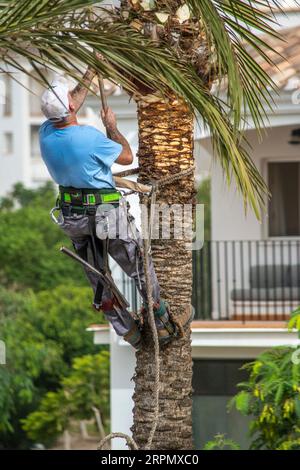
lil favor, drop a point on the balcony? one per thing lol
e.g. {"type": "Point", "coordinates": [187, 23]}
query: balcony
{"type": "Point", "coordinates": [247, 280]}
{"type": "Point", "coordinates": [244, 283]}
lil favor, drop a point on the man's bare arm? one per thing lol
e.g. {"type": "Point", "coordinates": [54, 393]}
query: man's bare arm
{"type": "Point", "coordinates": [125, 157]}
{"type": "Point", "coordinates": [79, 93]}
{"type": "Point", "coordinates": [109, 121]}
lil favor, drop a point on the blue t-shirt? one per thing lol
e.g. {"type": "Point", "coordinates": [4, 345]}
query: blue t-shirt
{"type": "Point", "coordinates": [78, 156]}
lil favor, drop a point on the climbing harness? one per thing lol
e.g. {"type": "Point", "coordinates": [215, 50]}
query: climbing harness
{"type": "Point", "coordinates": [81, 199]}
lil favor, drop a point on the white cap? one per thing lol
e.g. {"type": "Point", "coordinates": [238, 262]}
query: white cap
{"type": "Point", "coordinates": [55, 100]}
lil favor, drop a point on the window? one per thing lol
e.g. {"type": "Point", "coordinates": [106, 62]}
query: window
{"type": "Point", "coordinates": [284, 206]}
{"type": "Point", "coordinates": [6, 94]}
{"type": "Point", "coordinates": [7, 144]}
{"type": "Point", "coordinates": [215, 383]}
{"type": "Point", "coordinates": [34, 139]}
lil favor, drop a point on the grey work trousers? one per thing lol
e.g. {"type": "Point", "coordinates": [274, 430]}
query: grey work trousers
{"type": "Point", "coordinates": [115, 227]}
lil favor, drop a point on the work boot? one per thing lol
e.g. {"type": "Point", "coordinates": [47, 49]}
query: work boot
{"type": "Point", "coordinates": [171, 329]}
{"type": "Point", "coordinates": [134, 337]}
{"type": "Point", "coordinates": [166, 328]}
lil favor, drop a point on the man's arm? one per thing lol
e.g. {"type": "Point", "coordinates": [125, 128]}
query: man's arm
{"type": "Point", "coordinates": [109, 121]}
{"type": "Point", "coordinates": [79, 93]}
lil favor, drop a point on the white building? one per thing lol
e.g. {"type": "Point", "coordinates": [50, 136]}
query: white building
{"type": "Point", "coordinates": [246, 278]}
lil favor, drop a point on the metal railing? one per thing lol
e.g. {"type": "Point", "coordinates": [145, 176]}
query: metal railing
{"type": "Point", "coordinates": [245, 280]}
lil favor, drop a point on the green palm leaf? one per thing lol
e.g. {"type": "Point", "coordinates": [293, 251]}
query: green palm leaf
{"type": "Point", "coordinates": [60, 34]}
{"type": "Point", "coordinates": [233, 26]}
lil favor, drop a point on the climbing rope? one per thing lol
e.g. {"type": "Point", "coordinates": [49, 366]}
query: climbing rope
{"type": "Point", "coordinates": [151, 317]}
{"type": "Point", "coordinates": [149, 289]}
{"type": "Point", "coordinates": [162, 181]}
{"type": "Point", "coordinates": [130, 442]}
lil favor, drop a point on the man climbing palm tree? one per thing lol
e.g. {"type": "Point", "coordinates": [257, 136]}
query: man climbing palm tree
{"type": "Point", "coordinates": [167, 54]}
{"type": "Point", "coordinates": [79, 159]}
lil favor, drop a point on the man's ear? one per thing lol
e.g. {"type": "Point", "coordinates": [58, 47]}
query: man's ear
{"type": "Point", "coordinates": [71, 107]}
{"type": "Point", "coordinates": [71, 104]}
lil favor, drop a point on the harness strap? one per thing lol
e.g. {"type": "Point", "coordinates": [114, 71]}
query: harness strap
{"type": "Point", "coordinates": [105, 244]}
{"type": "Point", "coordinates": [88, 197]}
{"type": "Point", "coordinates": [99, 254]}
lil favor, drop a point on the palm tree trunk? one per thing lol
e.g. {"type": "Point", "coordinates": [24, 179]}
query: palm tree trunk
{"type": "Point", "coordinates": [166, 147]}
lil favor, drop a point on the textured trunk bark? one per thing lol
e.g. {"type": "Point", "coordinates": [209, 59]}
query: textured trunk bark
{"type": "Point", "coordinates": [165, 148]}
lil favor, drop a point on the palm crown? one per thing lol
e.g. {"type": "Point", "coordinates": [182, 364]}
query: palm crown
{"type": "Point", "coordinates": [160, 47]}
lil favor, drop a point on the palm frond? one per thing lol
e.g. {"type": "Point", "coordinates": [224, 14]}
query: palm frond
{"type": "Point", "coordinates": [48, 33]}
{"type": "Point", "coordinates": [233, 26]}
{"type": "Point", "coordinates": [27, 13]}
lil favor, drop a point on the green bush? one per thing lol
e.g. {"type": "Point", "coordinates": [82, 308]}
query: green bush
{"type": "Point", "coordinates": [220, 442]}
{"type": "Point", "coordinates": [271, 397]}
{"type": "Point", "coordinates": [86, 387]}
{"type": "Point", "coordinates": [43, 333]}
{"type": "Point", "coordinates": [30, 242]}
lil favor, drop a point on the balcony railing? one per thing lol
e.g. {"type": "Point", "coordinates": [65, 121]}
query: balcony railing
{"type": "Point", "coordinates": [246, 280]}
{"type": "Point", "coordinates": [242, 280]}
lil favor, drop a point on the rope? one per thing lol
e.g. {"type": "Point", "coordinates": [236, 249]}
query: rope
{"type": "Point", "coordinates": [162, 181]}
{"type": "Point", "coordinates": [149, 289]}
{"type": "Point", "coordinates": [147, 248]}
{"type": "Point", "coordinates": [129, 440]}
{"type": "Point", "coordinates": [102, 92]}
{"type": "Point", "coordinates": [122, 174]}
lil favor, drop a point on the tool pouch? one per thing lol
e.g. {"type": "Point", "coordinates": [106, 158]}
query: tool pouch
{"type": "Point", "coordinates": [106, 221]}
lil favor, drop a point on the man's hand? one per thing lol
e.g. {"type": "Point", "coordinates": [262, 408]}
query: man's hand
{"type": "Point", "coordinates": [109, 119]}
{"type": "Point", "coordinates": [79, 93]}
{"type": "Point", "coordinates": [91, 71]}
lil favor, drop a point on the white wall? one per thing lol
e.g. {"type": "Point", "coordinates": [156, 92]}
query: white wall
{"type": "Point", "coordinates": [16, 166]}
{"type": "Point", "coordinates": [122, 363]}
{"type": "Point", "coordinates": [229, 221]}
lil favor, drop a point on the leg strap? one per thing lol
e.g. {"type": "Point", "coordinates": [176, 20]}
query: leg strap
{"type": "Point", "coordinates": [98, 253]}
